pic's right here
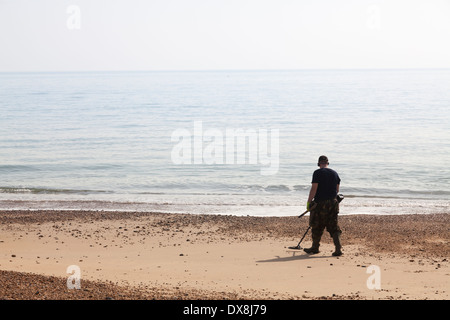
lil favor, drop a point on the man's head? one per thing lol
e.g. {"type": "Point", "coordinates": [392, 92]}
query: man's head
{"type": "Point", "coordinates": [323, 162]}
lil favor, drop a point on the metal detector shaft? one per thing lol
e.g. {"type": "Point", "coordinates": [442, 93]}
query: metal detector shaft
{"type": "Point", "coordinates": [304, 235]}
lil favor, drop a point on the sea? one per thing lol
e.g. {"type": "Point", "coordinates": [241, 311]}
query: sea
{"type": "Point", "coordinates": [225, 142]}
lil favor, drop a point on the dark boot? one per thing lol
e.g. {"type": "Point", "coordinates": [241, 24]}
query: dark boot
{"type": "Point", "coordinates": [337, 244]}
{"type": "Point", "coordinates": [314, 248]}
{"type": "Point", "coordinates": [316, 234]}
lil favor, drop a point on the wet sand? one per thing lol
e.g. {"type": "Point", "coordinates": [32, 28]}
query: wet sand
{"type": "Point", "coordinates": [136, 255]}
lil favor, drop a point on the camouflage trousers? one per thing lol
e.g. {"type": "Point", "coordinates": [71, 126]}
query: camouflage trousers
{"type": "Point", "coordinates": [324, 215]}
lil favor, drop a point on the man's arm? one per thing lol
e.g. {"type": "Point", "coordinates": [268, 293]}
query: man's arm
{"type": "Point", "coordinates": [312, 192]}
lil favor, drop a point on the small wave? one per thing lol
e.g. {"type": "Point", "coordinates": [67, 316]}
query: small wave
{"type": "Point", "coordinates": [17, 168]}
{"type": "Point", "coordinates": [394, 193]}
{"type": "Point", "coordinates": [277, 188]}
{"type": "Point", "coordinates": [233, 190]}
{"type": "Point", "coordinates": [39, 93]}
{"type": "Point", "coordinates": [49, 191]}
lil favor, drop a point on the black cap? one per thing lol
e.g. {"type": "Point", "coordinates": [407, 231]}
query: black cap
{"type": "Point", "coordinates": [323, 159]}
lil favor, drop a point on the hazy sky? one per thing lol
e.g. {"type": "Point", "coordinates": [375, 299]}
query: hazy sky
{"type": "Point", "coordinates": [62, 35]}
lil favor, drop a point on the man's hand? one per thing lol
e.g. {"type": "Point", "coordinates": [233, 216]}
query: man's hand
{"type": "Point", "coordinates": [312, 194]}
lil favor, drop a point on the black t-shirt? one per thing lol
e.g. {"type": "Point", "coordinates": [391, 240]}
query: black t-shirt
{"type": "Point", "coordinates": [328, 179]}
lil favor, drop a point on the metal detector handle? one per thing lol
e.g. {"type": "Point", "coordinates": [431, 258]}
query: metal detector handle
{"type": "Point", "coordinates": [315, 204]}
{"type": "Point", "coordinates": [303, 213]}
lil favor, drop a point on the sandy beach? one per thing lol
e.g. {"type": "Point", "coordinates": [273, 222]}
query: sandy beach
{"type": "Point", "coordinates": [138, 255]}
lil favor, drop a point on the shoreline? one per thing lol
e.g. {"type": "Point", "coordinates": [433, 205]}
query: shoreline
{"type": "Point", "coordinates": [148, 255]}
{"type": "Point", "coordinates": [234, 206]}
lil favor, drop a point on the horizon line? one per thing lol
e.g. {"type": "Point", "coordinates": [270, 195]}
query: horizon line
{"type": "Point", "coordinates": [229, 70]}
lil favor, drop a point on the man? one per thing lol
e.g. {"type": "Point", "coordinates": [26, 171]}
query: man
{"type": "Point", "coordinates": [324, 206]}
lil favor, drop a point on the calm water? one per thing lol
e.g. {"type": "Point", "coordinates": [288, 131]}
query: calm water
{"type": "Point", "coordinates": [73, 137]}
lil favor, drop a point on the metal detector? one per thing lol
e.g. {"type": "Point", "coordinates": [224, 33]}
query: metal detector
{"type": "Point", "coordinates": [339, 198]}
{"type": "Point", "coordinates": [297, 247]}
